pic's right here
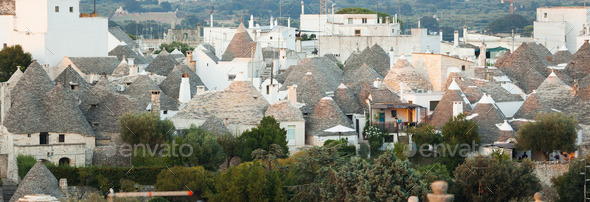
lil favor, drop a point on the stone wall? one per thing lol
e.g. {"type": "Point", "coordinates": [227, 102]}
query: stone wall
{"type": "Point", "coordinates": [545, 171]}
{"type": "Point", "coordinates": [110, 156]}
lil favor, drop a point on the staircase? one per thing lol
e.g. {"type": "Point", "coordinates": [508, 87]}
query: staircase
{"type": "Point", "coordinates": [266, 73]}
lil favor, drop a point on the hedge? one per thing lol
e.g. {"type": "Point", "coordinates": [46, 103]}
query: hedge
{"type": "Point", "coordinates": [105, 177]}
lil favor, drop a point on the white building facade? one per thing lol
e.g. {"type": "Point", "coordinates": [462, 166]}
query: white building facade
{"type": "Point", "coordinates": [52, 29]}
{"type": "Point", "coordinates": [557, 26]}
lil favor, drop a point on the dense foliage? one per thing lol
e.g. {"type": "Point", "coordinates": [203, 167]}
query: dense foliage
{"type": "Point", "coordinates": [569, 185]}
{"type": "Point", "coordinates": [195, 179]}
{"type": "Point", "coordinates": [10, 58]}
{"type": "Point", "coordinates": [425, 135]}
{"type": "Point", "coordinates": [24, 164]}
{"type": "Point", "coordinates": [183, 47]}
{"type": "Point", "coordinates": [429, 23]}
{"type": "Point", "coordinates": [248, 182]}
{"type": "Point", "coordinates": [488, 179]}
{"type": "Point", "coordinates": [508, 23]}
{"type": "Point", "coordinates": [458, 130]}
{"type": "Point", "coordinates": [549, 132]}
{"type": "Point", "coordinates": [266, 133]}
{"type": "Point", "coordinates": [206, 151]}
{"type": "Point", "coordinates": [145, 128]}
{"type": "Point", "coordinates": [106, 177]}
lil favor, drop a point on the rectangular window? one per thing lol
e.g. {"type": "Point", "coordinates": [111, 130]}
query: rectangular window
{"type": "Point", "coordinates": [463, 68]}
{"type": "Point", "coordinates": [5, 45]}
{"type": "Point", "coordinates": [74, 87]}
{"type": "Point", "coordinates": [267, 89]}
{"type": "Point", "coordinates": [433, 105]}
{"type": "Point", "coordinates": [357, 32]}
{"type": "Point", "coordinates": [231, 77]}
{"type": "Point", "coordinates": [545, 15]}
{"type": "Point", "coordinates": [71, 9]}
{"type": "Point", "coordinates": [57, 9]}
{"type": "Point", "coordinates": [350, 21]}
{"type": "Point", "coordinates": [364, 20]}
{"type": "Point", "coordinates": [62, 138]}
{"type": "Point", "coordinates": [393, 113]}
{"type": "Point", "coordinates": [165, 111]}
{"type": "Point", "coordinates": [43, 138]}
{"type": "Point", "coordinates": [291, 134]}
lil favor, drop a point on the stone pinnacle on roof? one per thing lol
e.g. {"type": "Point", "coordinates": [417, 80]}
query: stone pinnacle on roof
{"type": "Point", "coordinates": [39, 180]}
{"type": "Point", "coordinates": [486, 99]}
{"type": "Point", "coordinates": [454, 86]}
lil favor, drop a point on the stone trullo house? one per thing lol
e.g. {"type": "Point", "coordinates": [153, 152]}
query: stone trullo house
{"type": "Point", "coordinates": [43, 119]}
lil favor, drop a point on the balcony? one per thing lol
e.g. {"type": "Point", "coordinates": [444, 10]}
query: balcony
{"type": "Point", "coordinates": [394, 127]}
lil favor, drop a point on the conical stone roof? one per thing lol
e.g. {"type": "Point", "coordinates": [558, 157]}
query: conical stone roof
{"type": "Point", "coordinates": [444, 110]}
{"type": "Point", "coordinates": [284, 111]}
{"type": "Point", "coordinates": [70, 77]}
{"type": "Point", "coordinates": [214, 125]}
{"type": "Point", "coordinates": [39, 180]}
{"type": "Point", "coordinates": [523, 68]}
{"type": "Point", "coordinates": [500, 62]}
{"type": "Point", "coordinates": [240, 46]}
{"type": "Point", "coordinates": [171, 85]}
{"type": "Point", "coordinates": [554, 91]}
{"type": "Point", "coordinates": [326, 73]}
{"type": "Point", "coordinates": [326, 114]}
{"type": "Point", "coordinates": [240, 103]}
{"type": "Point", "coordinates": [140, 91]}
{"type": "Point", "coordinates": [62, 114]}
{"type": "Point", "coordinates": [579, 67]}
{"type": "Point", "coordinates": [309, 93]}
{"type": "Point", "coordinates": [405, 72]}
{"type": "Point", "coordinates": [346, 100]}
{"type": "Point", "coordinates": [122, 69]}
{"type": "Point", "coordinates": [488, 115]}
{"type": "Point", "coordinates": [34, 81]}
{"type": "Point", "coordinates": [162, 64]}
{"type": "Point", "coordinates": [531, 107]}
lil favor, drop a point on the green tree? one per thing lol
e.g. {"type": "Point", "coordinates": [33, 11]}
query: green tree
{"type": "Point", "coordinates": [460, 136]}
{"type": "Point", "coordinates": [206, 151]}
{"type": "Point", "coordinates": [549, 132]}
{"type": "Point", "coordinates": [507, 23]}
{"type": "Point", "coordinates": [248, 182]}
{"type": "Point", "coordinates": [387, 179]}
{"type": "Point", "coordinates": [401, 150]}
{"type": "Point", "coordinates": [132, 6]}
{"type": "Point", "coordinates": [266, 133]}
{"type": "Point", "coordinates": [166, 6]}
{"type": "Point", "coordinates": [435, 172]}
{"type": "Point", "coordinates": [487, 179]}
{"type": "Point", "coordinates": [145, 128]}
{"type": "Point", "coordinates": [425, 135]}
{"type": "Point", "coordinates": [429, 23]}
{"type": "Point", "coordinates": [10, 58]}
{"type": "Point", "coordinates": [183, 47]}
{"type": "Point", "coordinates": [196, 179]}
{"type": "Point", "coordinates": [458, 130]}
{"type": "Point", "coordinates": [24, 164]}
{"type": "Point", "coordinates": [231, 146]}
{"type": "Point", "coordinates": [569, 185]}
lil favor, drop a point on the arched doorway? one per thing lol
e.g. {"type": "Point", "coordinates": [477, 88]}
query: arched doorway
{"type": "Point", "coordinates": [64, 161]}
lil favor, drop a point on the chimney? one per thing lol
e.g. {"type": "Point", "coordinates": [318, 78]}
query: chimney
{"type": "Point", "coordinates": [200, 90]}
{"type": "Point", "coordinates": [441, 35]}
{"type": "Point", "coordinates": [387, 19]}
{"type": "Point", "coordinates": [377, 83]}
{"type": "Point", "coordinates": [5, 97]}
{"type": "Point", "coordinates": [191, 62]}
{"type": "Point", "coordinates": [465, 34]}
{"type": "Point", "coordinates": [211, 19]}
{"type": "Point", "coordinates": [184, 96]}
{"type": "Point", "coordinates": [49, 70]}
{"type": "Point", "coordinates": [155, 101]}
{"type": "Point", "coordinates": [130, 61]}
{"type": "Point", "coordinates": [292, 94]}
{"type": "Point", "coordinates": [251, 22]}
{"type": "Point", "coordinates": [457, 108]}
{"type": "Point", "coordinates": [133, 70]}
{"type": "Point", "coordinates": [418, 24]}
{"type": "Point", "coordinates": [391, 58]}
{"type": "Point", "coordinates": [272, 22]}
{"type": "Point", "coordinates": [401, 90]}
{"type": "Point", "coordinates": [63, 185]}
{"type": "Point", "coordinates": [302, 8]}
{"type": "Point", "coordinates": [378, 20]}
{"type": "Point", "coordinates": [482, 55]}
{"type": "Point", "coordinates": [289, 22]}
{"type": "Point", "coordinates": [298, 42]}
{"type": "Point", "coordinates": [456, 39]}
